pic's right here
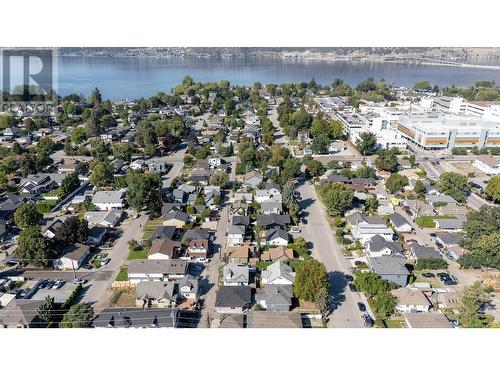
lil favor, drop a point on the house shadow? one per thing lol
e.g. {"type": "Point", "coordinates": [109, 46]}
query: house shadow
{"type": "Point", "coordinates": [205, 286]}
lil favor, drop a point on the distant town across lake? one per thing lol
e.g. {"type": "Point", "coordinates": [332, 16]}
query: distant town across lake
{"type": "Point", "coordinates": [135, 77]}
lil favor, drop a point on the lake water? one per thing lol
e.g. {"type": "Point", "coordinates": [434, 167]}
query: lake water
{"type": "Point", "coordinates": [134, 77]}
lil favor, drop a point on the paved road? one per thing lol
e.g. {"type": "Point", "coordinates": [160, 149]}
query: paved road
{"type": "Point", "coordinates": [326, 249]}
{"type": "Point", "coordinates": [98, 291]}
{"type": "Point", "coordinates": [210, 281]}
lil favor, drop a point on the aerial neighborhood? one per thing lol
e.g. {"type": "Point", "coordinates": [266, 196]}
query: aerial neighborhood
{"type": "Point", "coordinates": [296, 205]}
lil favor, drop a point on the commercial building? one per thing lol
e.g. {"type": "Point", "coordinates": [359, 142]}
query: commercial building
{"type": "Point", "coordinates": [433, 131]}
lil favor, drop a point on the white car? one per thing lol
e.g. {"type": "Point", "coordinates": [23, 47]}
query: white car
{"type": "Point", "coordinates": [104, 262]}
{"type": "Point", "coordinates": [59, 283]}
{"type": "Point", "coordinates": [295, 229]}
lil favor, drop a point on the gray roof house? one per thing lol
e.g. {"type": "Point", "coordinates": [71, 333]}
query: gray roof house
{"type": "Point", "coordinates": [275, 297]}
{"type": "Point", "coordinates": [278, 273]}
{"type": "Point", "coordinates": [390, 268]}
{"type": "Point", "coordinates": [233, 299]}
{"type": "Point", "coordinates": [451, 225]}
{"type": "Point", "coordinates": [378, 246]}
{"type": "Point", "coordinates": [236, 274]}
{"type": "Point", "coordinates": [272, 220]}
{"type": "Point", "coordinates": [21, 313]}
{"type": "Point", "coordinates": [137, 318]}
{"type": "Point", "coordinates": [400, 223]}
{"type": "Point", "coordinates": [423, 252]}
{"type": "Point", "coordinates": [277, 237]}
{"type": "Point", "coordinates": [439, 198]}
{"type": "Point", "coordinates": [156, 270]}
{"type": "Point", "coordinates": [156, 293]}
{"type": "Point", "coordinates": [449, 239]}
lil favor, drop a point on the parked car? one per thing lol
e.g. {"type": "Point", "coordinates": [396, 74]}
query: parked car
{"type": "Point", "coordinates": [58, 283]}
{"type": "Point", "coordinates": [442, 274]}
{"type": "Point", "coordinates": [50, 284]}
{"type": "Point", "coordinates": [367, 320]}
{"type": "Point", "coordinates": [352, 287]}
{"type": "Point", "coordinates": [349, 277]}
{"type": "Point", "coordinates": [361, 307]}
{"type": "Point", "coordinates": [42, 284]}
{"type": "Point", "coordinates": [104, 262]}
{"type": "Point", "coordinates": [428, 274]}
{"type": "Point", "coordinates": [295, 229]}
{"type": "Point", "coordinates": [22, 293]}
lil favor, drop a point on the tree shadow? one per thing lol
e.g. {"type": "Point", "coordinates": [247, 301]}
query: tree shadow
{"type": "Point", "coordinates": [305, 203]}
{"type": "Point", "coordinates": [338, 283]}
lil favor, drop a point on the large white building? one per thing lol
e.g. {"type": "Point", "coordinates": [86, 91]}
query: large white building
{"type": "Point", "coordinates": [438, 131]}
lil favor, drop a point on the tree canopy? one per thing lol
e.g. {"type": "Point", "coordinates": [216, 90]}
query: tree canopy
{"type": "Point", "coordinates": [310, 278]}
{"type": "Point", "coordinates": [336, 197]}
{"type": "Point", "coordinates": [453, 184]}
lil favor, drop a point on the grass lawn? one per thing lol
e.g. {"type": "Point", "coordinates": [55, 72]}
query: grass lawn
{"type": "Point", "coordinates": [123, 274]}
{"type": "Point", "coordinates": [150, 228]}
{"type": "Point", "coordinates": [421, 174]}
{"type": "Point", "coordinates": [141, 253]}
{"type": "Point", "coordinates": [427, 221]}
{"type": "Point", "coordinates": [392, 323]}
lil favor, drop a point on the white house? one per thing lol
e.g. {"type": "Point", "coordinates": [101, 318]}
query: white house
{"type": "Point", "coordinates": [214, 161]}
{"type": "Point", "coordinates": [109, 200]}
{"type": "Point", "coordinates": [411, 300]}
{"type": "Point", "coordinates": [236, 274]}
{"type": "Point", "coordinates": [487, 164]}
{"type": "Point", "coordinates": [188, 287]}
{"type": "Point", "coordinates": [363, 227]}
{"type": "Point", "coordinates": [235, 235]}
{"type": "Point", "coordinates": [278, 273]}
{"type": "Point", "coordinates": [137, 165]}
{"type": "Point", "coordinates": [73, 257]}
{"type": "Point", "coordinates": [277, 237]}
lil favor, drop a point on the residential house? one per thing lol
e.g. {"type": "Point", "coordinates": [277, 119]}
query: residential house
{"type": "Point", "coordinates": [278, 273]}
{"type": "Point", "coordinates": [265, 195]}
{"type": "Point", "coordinates": [271, 207]}
{"type": "Point", "coordinates": [451, 225]}
{"type": "Point", "coordinates": [109, 200]}
{"type": "Point", "coordinates": [275, 297]}
{"type": "Point", "coordinates": [378, 246]}
{"type": "Point", "coordinates": [428, 320]}
{"type": "Point", "coordinates": [107, 219]}
{"type": "Point", "coordinates": [233, 299]}
{"type": "Point", "coordinates": [363, 227]}
{"type": "Point", "coordinates": [452, 209]}
{"type": "Point", "coordinates": [156, 294]}
{"type": "Point", "coordinates": [439, 198]}
{"type": "Point", "coordinates": [487, 164]}
{"type": "Point", "coordinates": [241, 220]}
{"type": "Point", "coordinates": [253, 179]}
{"type": "Point", "coordinates": [273, 221]}
{"type": "Point", "coordinates": [235, 235]}
{"type": "Point", "coordinates": [277, 237]}
{"type": "Point", "coordinates": [274, 319]}
{"type": "Point", "coordinates": [189, 288]}
{"type": "Point", "coordinates": [423, 252]}
{"type": "Point", "coordinates": [137, 318]}
{"type": "Point", "coordinates": [411, 300]}
{"type": "Point", "coordinates": [37, 184]}
{"type": "Point", "coordinates": [400, 223]}
{"type": "Point", "coordinates": [448, 240]}
{"type": "Point", "coordinates": [21, 313]}
{"type": "Point", "coordinates": [162, 231]}
{"type": "Point", "coordinates": [96, 235]}
{"type": "Point", "coordinates": [390, 268]}
{"type": "Point", "coordinates": [177, 219]}
{"type": "Point", "coordinates": [238, 254]}
{"type": "Point", "coordinates": [198, 249]}
{"type": "Point", "coordinates": [73, 257]}
{"type": "Point", "coordinates": [156, 270]}
{"type": "Point", "coordinates": [164, 249]}
{"type": "Point", "coordinates": [236, 274]}
{"type": "Point", "coordinates": [276, 253]}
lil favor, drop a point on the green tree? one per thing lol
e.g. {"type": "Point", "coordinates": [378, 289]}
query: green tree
{"type": "Point", "coordinates": [470, 306]}
{"type": "Point", "coordinates": [384, 304]}
{"type": "Point", "coordinates": [453, 184]}
{"type": "Point", "coordinates": [422, 86]}
{"type": "Point", "coordinates": [46, 311]}
{"type": "Point", "coordinates": [78, 136]}
{"type": "Point", "coordinates": [431, 264]}
{"type": "Point", "coordinates": [419, 189]}
{"type": "Point", "coordinates": [387, 160]}
{"type": "Point", "coordinates": [493, 188]}
{"type": "Point", "coordinates": [102, 174]}
{"type": "Point", "coordinates": [26, 215]}
{"type": "Point", "coordinates": [33, 247]}
{"type": "Point", "coordinates": [396, 183]}
{"type": "Point", "coordinates": [95, 97]}
{"type": "Point", "coordinates": [310, 278]}
{"type": "Point", "coordinates": [371, 204]}
{"type": "Point", "coordinates": [70, 183]}
{"type": "Point", "coordinates": [100, 150]}
{"type": "Point", "coordinates": [291, 169]}
{"type": "Point", "coordinates": [123, 151]}
{"type": "Point", "coordinates": [72, 230]}
{"type": "Point", "coordinates": [139, 186]}
{"type": "Point", "coordinates": [220, 178]}
{"type": "Point", "coordinates": [370, 283]}
{"type": "Point", "coordinates": [364, 171]}
{"type": "Point", "coordinates": [367, 144]}
{"type": "Point", "coordinates": [315, 168]}
{"type": "Point", "coordinates": [336, 197]}
{"type": "Point", "coordinates": [78, 316]}
{"type": "Point", "coordinates": [484, 252]}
